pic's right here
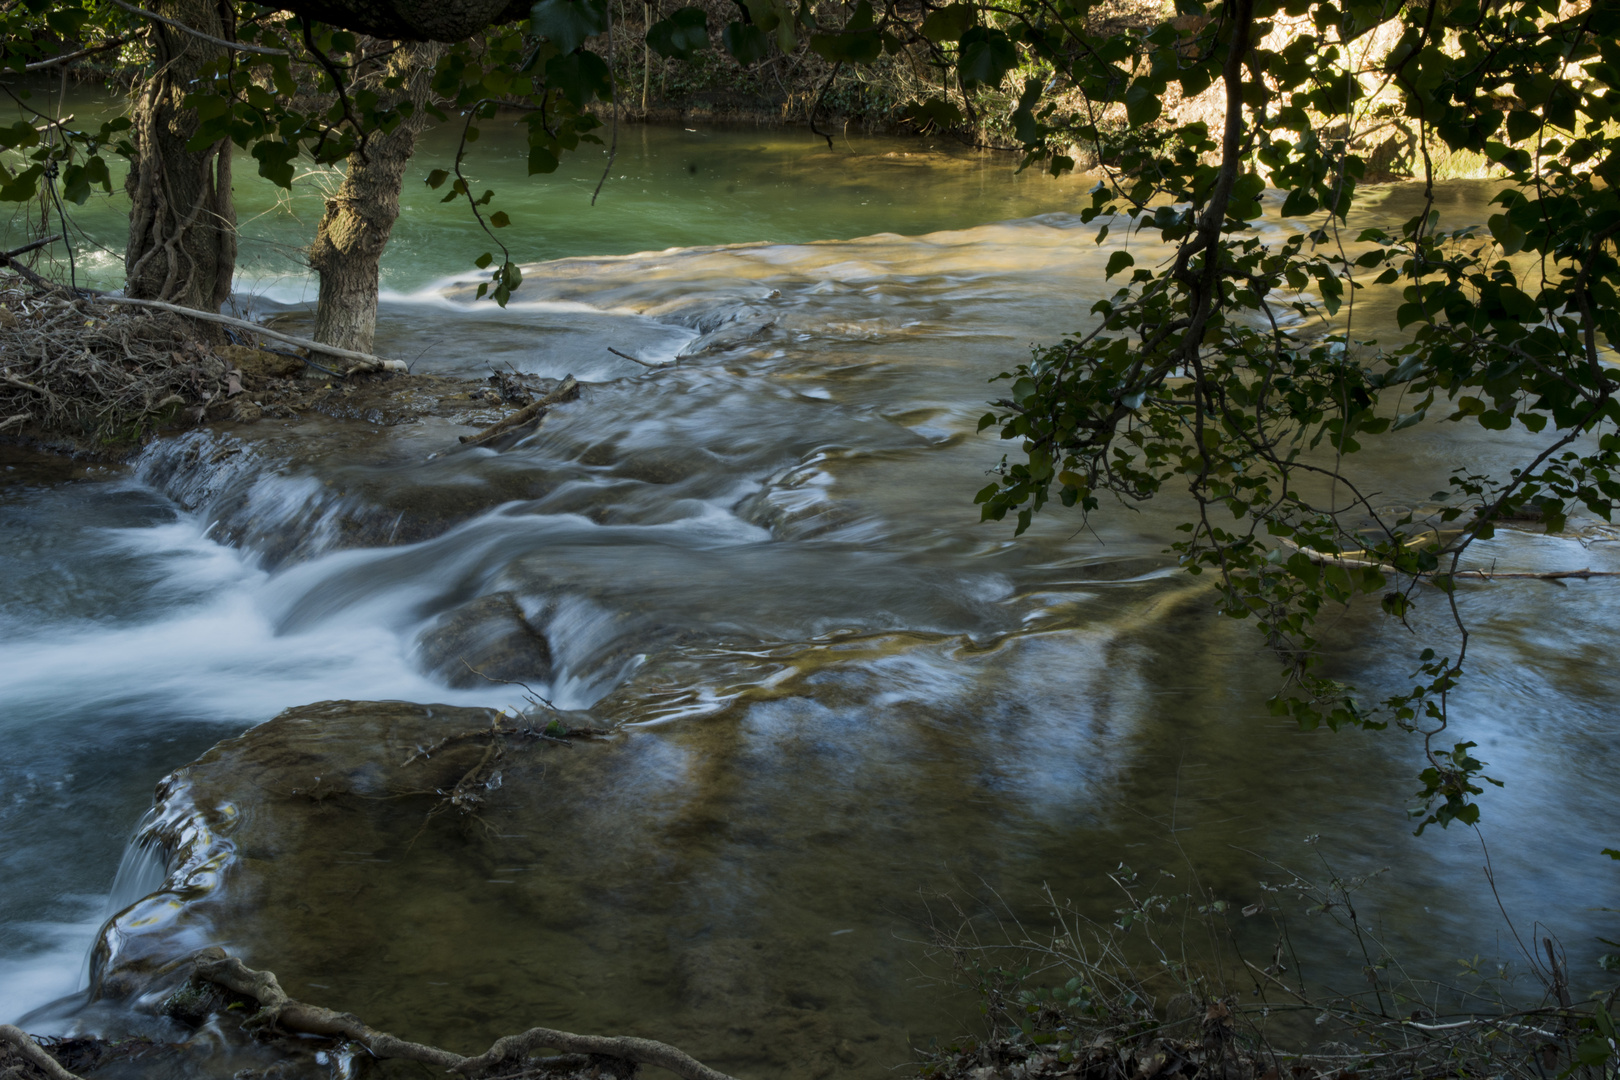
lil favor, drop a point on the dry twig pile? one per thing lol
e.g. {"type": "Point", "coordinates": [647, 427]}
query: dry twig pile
{"type": "Point", "coordinates": [98, 374]}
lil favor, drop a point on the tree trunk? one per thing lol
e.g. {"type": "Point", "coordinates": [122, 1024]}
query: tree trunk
{"type": "Point", "coordinates": [182, 227]}
{"type": "Point", "coordinates": [359, 218]}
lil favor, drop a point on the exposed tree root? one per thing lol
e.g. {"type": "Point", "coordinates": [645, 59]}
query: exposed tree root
{"type": "Point", "coordinates": [31, 1052]}
{"type": "Point", "coordinates": [278, 1012]}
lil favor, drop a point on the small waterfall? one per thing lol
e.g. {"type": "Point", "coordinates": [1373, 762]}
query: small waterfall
{"type": "Point", "coordinates": [140, 872]}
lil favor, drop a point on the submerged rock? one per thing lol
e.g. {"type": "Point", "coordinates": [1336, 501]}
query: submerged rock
{"type": "Point", "coordinates": [452, 875]}
{"type": "Point", "coordinates": [485, 640]}
{"type": "Point", "coordinates": [257, 830]}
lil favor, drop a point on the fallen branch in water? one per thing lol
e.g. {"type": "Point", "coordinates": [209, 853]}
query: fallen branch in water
{"type": "Point", "coordinates": [1545, 575]}
{"type": "Point", "coordinates": [1349, 561]}
{"type": "Point", "coordinates": [567, 390]}
{"type": "Point", "coordinates": [278, 1011]}
{"type": "Point", "coordinates": [364, 362]}
{"type": "Point", "coordinates": [637, 359]}
{"type": "Point", "coordinates": [20, 1041]}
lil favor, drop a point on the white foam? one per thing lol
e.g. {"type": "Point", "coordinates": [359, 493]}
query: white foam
{"type": "Point", "coordinates": [54, 971]}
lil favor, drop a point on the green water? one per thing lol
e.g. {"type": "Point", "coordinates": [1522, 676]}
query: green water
{"type": "Point", "coordinates": [666, 187]}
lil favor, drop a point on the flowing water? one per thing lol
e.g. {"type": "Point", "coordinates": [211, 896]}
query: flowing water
{"type": "Point", "coordinates": [841, 693]}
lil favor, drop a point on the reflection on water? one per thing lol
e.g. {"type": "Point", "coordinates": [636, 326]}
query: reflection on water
{"type": "Point", "coordinates": [836, 689]}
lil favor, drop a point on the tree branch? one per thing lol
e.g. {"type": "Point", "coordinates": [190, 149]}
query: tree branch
{"type": "Point", "coordinates": [68, 58]}
{"type": "Point", "coordinates": [194, 32]}
{"type": "Point", "coordinates": [366, 361]}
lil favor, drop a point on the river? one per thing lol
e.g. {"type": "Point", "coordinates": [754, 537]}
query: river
{"type": "Point", "coordinates": [846, 694]}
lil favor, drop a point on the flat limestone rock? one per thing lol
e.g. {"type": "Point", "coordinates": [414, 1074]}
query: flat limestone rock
{"type": "Point", "coordinates": [254, 828]}
{"type": "Point", "coordinates": [451, 885]}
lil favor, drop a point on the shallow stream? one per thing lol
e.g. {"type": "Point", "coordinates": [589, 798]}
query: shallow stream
{"type": "Point", "coordinates": [841, 694]}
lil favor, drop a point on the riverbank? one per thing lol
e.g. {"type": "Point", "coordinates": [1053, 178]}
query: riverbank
{"type": "Point", "coordinates": [99, 381]}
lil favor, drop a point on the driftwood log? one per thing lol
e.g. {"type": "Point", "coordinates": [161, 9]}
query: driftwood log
{"type": "Point", "coordinates": [567, 390]}
{"type": "Point", "coordinates": [364, 362]}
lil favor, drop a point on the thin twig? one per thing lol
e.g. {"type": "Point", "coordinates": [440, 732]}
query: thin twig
{"type": "Point", "coordinates": [636, 359]}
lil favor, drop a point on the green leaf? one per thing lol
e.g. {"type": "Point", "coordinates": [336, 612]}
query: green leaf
{"type": "Point", "coordinates": [499, 220]}
{"type": "Point", "coordinates": [748, 44]}
{"type": "Point", "coordinates": [949, 23]}
{"type": "Point", "coordinates": [1299, 203]}
{"type": "Point", "coordinates": [483, 260]}
{"type": "Point", "coordinates": [986, 57]}
{"type": "Point", "coordinates": [66, 21]}
{"type": "Point", "coordinates": [861, 47]}
{"type": "Point", "coordinates": [580, 76]}
{"type": "Point", "coordinates": [275, 161]}
{"type": "Point", "coordinates": [1509, 235]}
{"type": "Point", "coordinates": [21, 188]}
{"type": "Point", "coordinates": [436, 178]}
{"type": "Point", "coordinates": [1407, 314]}
{"type": "Point", "coordinates": [682, 35]}
{"type": "Point", "coordinates": [1143, 103]}
{"type": "Point", "coordinates": [1118, 261]}
{"type": "Point", "coordinates": [568, 23]}
{"type": "Point", "coordinates": [18, 135]}
{"type": "Point", "coordinates": [935, 111]}
{"type": "Point", "coordinates": [1593, 1051]}
{"type": "Point", "coordinates": [541, 160]}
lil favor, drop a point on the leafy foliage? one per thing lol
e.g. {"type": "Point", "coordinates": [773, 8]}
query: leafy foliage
{"type": "Point", "coordinates": [1220, 375]}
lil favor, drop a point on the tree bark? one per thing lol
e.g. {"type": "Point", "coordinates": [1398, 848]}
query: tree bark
{"type": "Point", "coordinates": [359, 218]}
{"type": "Point", "coordinates": [182, 226]}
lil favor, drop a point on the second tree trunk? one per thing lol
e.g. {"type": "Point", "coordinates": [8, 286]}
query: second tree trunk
{"type": "Point", "coordinates": [361, 215]}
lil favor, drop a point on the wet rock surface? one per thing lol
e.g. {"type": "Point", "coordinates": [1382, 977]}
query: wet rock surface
{"type": "Point", "coordinates": [395, 861]}
{"type": "Point", "coordinates": [368, 462]}
{"type": "Point", "coordinates": [485, 640]}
